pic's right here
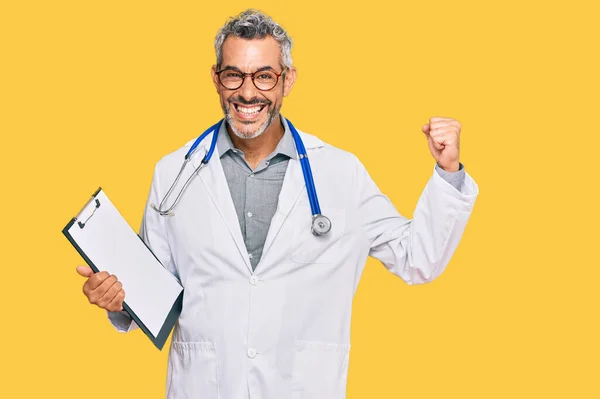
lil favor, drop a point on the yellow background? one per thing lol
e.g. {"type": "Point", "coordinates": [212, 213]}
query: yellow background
{"type": "Point", "coordinates": [94, 93]}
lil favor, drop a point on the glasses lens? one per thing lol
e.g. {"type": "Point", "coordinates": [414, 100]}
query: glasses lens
{"type": "Point", "coordinates": [231, 79]}
{"type": "Point", "coordinates": [265, 80]}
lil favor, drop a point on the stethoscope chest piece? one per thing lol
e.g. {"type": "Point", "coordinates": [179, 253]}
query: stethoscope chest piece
{"type": "Point", "coordinates": [320, 225]}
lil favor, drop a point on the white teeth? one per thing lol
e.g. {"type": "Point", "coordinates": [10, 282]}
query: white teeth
{"type": "Point", "coordinates": [248, 110]}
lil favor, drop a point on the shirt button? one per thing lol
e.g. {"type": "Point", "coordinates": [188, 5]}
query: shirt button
{"type": "Point", "coordinates": [254, 280]}
{"type": "Point", "coordinates": [252, 175]}
{"type": "Point", "coordinates": [267, 163]}
{"type": "Point", "coordinates": [250, 256]}
{"type": "Point", "coordinates": [249, 214]}
{"type": "Point", "coordinates": [251, 353]}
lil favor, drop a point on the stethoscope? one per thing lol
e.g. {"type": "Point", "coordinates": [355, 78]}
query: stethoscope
{"type": "Point", "coordinates": [320, 223]}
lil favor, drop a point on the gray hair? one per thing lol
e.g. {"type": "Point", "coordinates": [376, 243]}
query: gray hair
{"type": "Point", "coordinates": [254, 24]}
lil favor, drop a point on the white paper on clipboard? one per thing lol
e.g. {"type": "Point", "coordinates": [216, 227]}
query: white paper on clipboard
{"type": "Point", "coordinates": [153, 295]}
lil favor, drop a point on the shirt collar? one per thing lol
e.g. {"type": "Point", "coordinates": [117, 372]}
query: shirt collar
{"type": "Point", "coordinates": [286, 145]}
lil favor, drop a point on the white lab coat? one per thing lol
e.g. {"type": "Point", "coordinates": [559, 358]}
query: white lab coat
{"type": "Point", "coordinates": [283, 331]}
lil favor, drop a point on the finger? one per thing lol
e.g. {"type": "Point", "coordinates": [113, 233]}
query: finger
{"type": "Point", "coordinates": [110, 294]}
{"type": "Point", "coordinates": [442, 124]}
{"type": "Point", "coordinates": [99, 291]}
{"type": "Point", "coordinates": [435, 144]}
{"type": "Point", "coordinates": [116, 305]}
{"type": "Point", "coordinates": [96, 279]}
{"type": "Point", "coordinates": [426, 129]}
{"type": "Point", "coordinates": [95, 295]}
{"type": "Point", "coordinates": [445, 139]}
{"type": "Point", "coordinates": [92, 283]}
{"type": "Point", "coordinates": [445, 123]}
{"type": "Point", "coordinates": [443, 130]}
{"type": "Point", "coordinates": [84, 271]}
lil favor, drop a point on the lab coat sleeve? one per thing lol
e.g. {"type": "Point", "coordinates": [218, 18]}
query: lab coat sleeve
{"type": "Point", "coordinates": [153, 232]}
{"type": "Point", "coordinates": [419, 249]}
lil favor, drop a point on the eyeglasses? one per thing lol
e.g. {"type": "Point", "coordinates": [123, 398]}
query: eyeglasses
{"type": "Point", "coordinates": [233, 79]}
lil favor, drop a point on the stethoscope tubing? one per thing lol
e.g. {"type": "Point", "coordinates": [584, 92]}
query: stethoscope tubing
{"type": "Point", "coordinates": [304, 163]}
{"type": "Point", "coordinates": [214, 128]}
{"type": "Point", "coordinates": [306, 170]}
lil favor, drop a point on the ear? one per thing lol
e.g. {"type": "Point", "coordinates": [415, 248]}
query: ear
{"type": "Point", "coordinates": [290, 79]}
{"type": "Point", "coordinates": [215, 78]}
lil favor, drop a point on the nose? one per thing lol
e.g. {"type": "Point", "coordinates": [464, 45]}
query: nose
{"type": "Point", "coordinates": [248, 91]}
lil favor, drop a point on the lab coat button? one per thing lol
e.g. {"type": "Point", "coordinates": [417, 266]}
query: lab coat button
{"type": "Point", "coordinates": [254, 280]}
{"type": "Point", "coordinates": [249, 214]}
{"type": "Point", "coordinates": [251, 353]}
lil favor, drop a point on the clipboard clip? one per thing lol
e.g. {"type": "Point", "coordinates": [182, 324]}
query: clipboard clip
{"type": "Point", "coordinates": [82, 224]}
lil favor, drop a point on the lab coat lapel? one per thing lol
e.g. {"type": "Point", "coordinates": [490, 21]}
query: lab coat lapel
{"type": "Point", "coordinates": [291, 190]}
{"type": "Point", "coordinates": [213, 178]}
{"type": "Point", "coordinates": [293, 186]}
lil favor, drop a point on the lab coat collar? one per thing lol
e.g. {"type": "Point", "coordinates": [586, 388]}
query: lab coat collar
{"type": "Point", "coordinates": [309, 140]}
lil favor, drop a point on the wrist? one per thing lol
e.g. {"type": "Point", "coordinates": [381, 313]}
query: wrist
{"type": "Point", "coordinates": [454, 167]}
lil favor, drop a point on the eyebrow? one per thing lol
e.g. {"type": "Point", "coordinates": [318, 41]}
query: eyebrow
{"type": "Point", "coordinates": [262, 68]}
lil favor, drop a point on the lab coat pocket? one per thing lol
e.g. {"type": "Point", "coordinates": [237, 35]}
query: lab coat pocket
{"type": "Point", "coordinates": [308, 248]}
{"type": "Point", "coordinates": [193, 371]}
{"type": "Point", "coordinates": [320, 370]}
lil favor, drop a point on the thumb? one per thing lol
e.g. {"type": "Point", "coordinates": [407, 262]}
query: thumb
{"type": "Point", "coordinates": [85, 271]}
{"type": "Point", "coordinates": [425, 129]}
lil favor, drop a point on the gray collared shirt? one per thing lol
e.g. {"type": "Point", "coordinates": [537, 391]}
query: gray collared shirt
{"type": "Point", "coordinates": [255, 193]}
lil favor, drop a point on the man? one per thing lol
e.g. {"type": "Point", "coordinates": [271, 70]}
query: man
{"type": "Point", "coordinates": [266, 311]}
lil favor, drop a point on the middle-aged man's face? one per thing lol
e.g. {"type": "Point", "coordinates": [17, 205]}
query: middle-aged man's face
{"type": "Point", "coordinates": [250, 111]}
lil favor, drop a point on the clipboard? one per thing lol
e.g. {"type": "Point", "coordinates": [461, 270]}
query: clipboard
{"type": "Point", "coordinates": [153, 296]}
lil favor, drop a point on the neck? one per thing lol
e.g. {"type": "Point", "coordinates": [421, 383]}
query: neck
{"type": "Point", "coordinates": [258, 148]}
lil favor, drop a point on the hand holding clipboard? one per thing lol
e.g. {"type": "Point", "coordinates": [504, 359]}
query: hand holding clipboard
{"type": "Point", "coordinates": [102, 289]}
{"type": "Point", "coordinates": [110, 247]}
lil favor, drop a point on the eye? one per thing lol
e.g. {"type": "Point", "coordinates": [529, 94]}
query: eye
{"type": "Point", "coordinates": [232, 75]}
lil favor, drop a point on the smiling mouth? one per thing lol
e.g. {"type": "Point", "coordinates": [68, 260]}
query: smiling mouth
{"type": "Point", "coordinates": [249, 110]}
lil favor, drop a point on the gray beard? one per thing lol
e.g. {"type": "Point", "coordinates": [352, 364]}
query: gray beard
{"type": "Point", "coordinates": [261, 129]}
